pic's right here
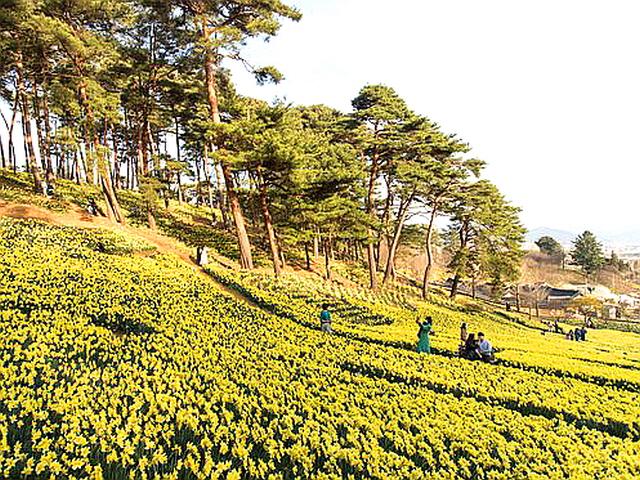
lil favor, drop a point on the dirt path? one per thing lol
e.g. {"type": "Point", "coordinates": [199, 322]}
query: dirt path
{"type": "Point", "coordinates": [77, 217]}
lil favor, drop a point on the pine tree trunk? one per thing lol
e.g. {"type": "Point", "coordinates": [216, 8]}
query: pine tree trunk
{"type": "Point", "coordinates": [62, 163]}
{"type": "Point", "coordinates": [2, 155]}
{"type": "Point", "coordinates": [316, 246]}
{"type": "Point", "coordinates": [117, 185]}
{"type": "Point", "coordinates": [268, 223]}
{"type": "Point", "coordinates": [385, 227]}
{"type": "Point", "coordinates": [454, 286]}
{"type": "Point", "coordinates": [198, 187]}
{"type": "Point", "coordinates": [429, 253]}
{"type": "Point", "coordinates": [109, 209]}
{"type": "Point", "coordinates": [76, 165]}
{"type": "Point", "coordinates": [83, 153]}
{"type": "Point", "coordinates": [371, 257]}
{"type": "Point", "coordinates": [107, 187]}
{"type": "Point", "coordinates": [154, 161]}
{"type": "Point", "coordinates": [221, 199]}
{"type": "Point", "coordinates": [246, 260]}
{"type": "Point", "coordinates": [104, 169]}
{"type": "Point", "coordinates": [393, 247]}
{"type": "Point", "coordinates": [178, 158]}
{"type": "Point", "coordinates": [463, 245]}
{"type": "Point", "coordinates": [26, 122]}
{"type": "Point", "coordinates": [141, 155]}
{"type": "Point", "coordinates": [10, 127]}
{"type": "Point", "coordinates": [46, 148]}
{"type": "Point", "coordinates": [41, 144]}
{"type": "Point", "coordinates": [207, 174]}
{"type": "Point", "coordinates": [327, 261]}
{"type": "Point", "coordinates": [307, 256]}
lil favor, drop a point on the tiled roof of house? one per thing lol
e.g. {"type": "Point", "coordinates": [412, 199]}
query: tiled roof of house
{"type": "Point", "coordinates": [561, 293]}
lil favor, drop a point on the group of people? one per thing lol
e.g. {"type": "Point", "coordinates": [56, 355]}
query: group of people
{"type": "Point", "coordinates": [474, 347]}
{"type": "Point", "coordinates": [471, 347]}
{"type": "Point", "coordinates": [578, 334]}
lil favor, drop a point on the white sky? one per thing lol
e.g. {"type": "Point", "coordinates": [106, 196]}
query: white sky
{"type": "Point", "coordinates": [547, 92]}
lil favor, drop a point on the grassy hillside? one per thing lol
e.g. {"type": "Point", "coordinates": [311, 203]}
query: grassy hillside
{"type": "Point", "coordinates": [118, 361]}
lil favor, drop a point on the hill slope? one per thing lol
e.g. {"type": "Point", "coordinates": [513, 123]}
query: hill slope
{"type": "Point", "coordinates": [119, 358]}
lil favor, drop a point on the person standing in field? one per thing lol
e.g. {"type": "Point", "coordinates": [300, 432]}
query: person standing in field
{"type": "Point", "coordinates": [424, 342]}
{"type": "Point", "coordinates": [463, 338]}
{"type": "Point", "coordinates": [325, 319]}
{"type": "Point", "coordinates": [204, 256]}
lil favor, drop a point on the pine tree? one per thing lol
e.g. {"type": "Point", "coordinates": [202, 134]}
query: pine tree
{"type": "Point", "coordinates": [325, 203]}
{"type": "Point", "coordinates": [380, 115]}
{"type": "Point", "coordinates": [220, 29]}
{"type": "Point", "coordinates": [549, 245]}
{"type": "Point", "coordinates": [587, 252]}
{"type": "Point", "coordinates": [487, 236]}
{"type": "Point", "coordinates": [442, 194]}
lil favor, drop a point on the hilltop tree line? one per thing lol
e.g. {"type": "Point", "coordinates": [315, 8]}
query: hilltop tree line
{"type": "Point", "coordinates": [100, 87]}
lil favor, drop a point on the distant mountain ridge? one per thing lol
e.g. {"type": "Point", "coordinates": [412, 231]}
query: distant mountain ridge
{"type": "Point", "coordinates": [564, 237]}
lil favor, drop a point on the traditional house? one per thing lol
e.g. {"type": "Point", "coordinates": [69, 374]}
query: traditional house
{"type": "Point", "coordinates": [558, 298]}
{"type": "Point", "coordinates": [541, 295]}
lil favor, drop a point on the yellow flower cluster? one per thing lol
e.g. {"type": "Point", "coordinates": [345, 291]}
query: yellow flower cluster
{"type": "Point", "coordinates": [115, 365]}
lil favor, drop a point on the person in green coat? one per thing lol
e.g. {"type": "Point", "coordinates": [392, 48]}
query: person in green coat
{"type": "Point", "coordinates": [424, 345]}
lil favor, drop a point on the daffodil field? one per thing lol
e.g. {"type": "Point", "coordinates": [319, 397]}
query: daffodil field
{"type": "Point", "coordinates": [120, 362]}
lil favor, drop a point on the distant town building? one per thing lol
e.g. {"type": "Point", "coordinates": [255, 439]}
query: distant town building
{"type": "Point", "coordinates": [610, 311]}
{"type": "Point", "coordinates": [541, 294]}
{"type": "Point", "coordinates": [558, 298]}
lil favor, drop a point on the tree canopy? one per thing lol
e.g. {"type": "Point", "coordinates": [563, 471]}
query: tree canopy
{"type": "Point", "coordinates": [550, 246]}
{"type": "Point", "coordinates": [102, 90]}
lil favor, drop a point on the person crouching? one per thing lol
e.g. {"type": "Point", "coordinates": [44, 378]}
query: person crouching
{"type": "Point", "coordinates": [484, 349]}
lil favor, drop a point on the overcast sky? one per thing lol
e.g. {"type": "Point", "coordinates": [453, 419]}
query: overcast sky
{"type": "Point", "coordinates": [547, 92]}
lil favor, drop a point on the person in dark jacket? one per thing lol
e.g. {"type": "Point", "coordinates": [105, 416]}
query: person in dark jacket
{"type": "Point", "coordinates": [470, 346]}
